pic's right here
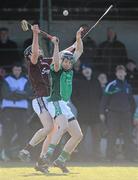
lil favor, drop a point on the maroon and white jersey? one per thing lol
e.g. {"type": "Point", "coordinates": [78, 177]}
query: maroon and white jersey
{"type": "Point", "coordinates": [39, 76]}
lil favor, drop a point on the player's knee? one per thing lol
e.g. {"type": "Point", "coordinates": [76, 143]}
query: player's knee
{"type": "Point", "coordinates": [51, 126]}
{"type": "Point", "coordinates": [48, 128]}
{"type": "Point", "coordinates": [42, 133]}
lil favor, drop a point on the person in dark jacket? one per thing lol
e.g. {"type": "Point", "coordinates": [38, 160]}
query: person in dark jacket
{"type": "Point", "coordinates": [132, 75]}
{"type": "Point", "coordinates": [111, 53]}
{"type": "Point", "coordinates": [9, 53]}
{"type": "Point", "coordinates": [119, 106]}
{"type": "Point", "coordinates": [86, 97]}
{"type": "Point", "coordinates": [89, 51]}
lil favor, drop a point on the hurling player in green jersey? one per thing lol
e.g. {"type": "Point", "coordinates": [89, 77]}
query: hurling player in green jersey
{"type": "Point", "coordinates": [61, 89]}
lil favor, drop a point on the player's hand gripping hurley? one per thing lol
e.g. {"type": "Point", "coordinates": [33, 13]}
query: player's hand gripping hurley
{"type": "Point", "coordinates": [27, 26]}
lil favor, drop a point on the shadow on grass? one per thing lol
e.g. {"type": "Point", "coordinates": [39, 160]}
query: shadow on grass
{"type": "Point", "coordinates": [71, 164]}
{"type": "Point", "coordinates": [49, 174]}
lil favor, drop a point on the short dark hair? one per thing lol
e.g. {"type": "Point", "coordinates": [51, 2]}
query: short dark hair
{"type": "Point", "coordinates": [83, 66]}
{"type": "Point", "coordinates": [120, 67]}
{"type": "Point", "coordinates": [17, 64]}
{"type": "Point", "coordinates": [131, 61]}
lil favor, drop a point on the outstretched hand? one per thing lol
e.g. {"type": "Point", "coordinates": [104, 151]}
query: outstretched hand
{"type": "Point", "coordinates": [55, 40]}
{"type": "Point", "coordinates": [79, 32]}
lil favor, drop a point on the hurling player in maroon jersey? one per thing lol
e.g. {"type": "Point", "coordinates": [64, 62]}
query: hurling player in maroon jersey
{"type": "Point", "coordinates": [38, 71]}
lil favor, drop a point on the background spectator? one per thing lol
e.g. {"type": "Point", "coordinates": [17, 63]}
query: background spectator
{"type": "Point", "coordinates": [86, 97]}
{"type": "Point", "coordinates": [89, 53]}
{"type": "Point", "coordinates": [2, 74]}
{"type": "Point", "coordinates": [119, 102]}
{"type": "Point", "coordinates": [77, 70]}
{"type": "Point", "coordinates": [136, 127]}
{"type": "Point", "coordinates": [132, 75]}
{"type": "Point", "coordinates": [102, 78]}
{"type": "Point", "coordinates": [8, 49]}
{"type": "Point", "coordinates": [15, 93]}
{"type": "Point", "coordinates": [111, 53]}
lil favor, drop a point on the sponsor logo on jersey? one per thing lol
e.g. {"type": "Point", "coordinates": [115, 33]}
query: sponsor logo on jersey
{"type": "Point", "coordinates": [45, 71]}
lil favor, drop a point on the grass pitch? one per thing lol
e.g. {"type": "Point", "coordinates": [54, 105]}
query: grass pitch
{"type": "Point", "coordinates": [79, 171]}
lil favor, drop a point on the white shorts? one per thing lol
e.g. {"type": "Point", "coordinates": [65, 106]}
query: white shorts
{"type": "Point", "coordinates": [57, 108]}
{"type": "Point", "coordinates": [40, 104]}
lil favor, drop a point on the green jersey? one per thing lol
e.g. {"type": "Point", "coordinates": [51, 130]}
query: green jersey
{"type": "Point", "coordinates": [61, 84]}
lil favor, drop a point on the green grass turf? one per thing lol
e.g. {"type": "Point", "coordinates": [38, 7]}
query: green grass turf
{"type": "Point", "coordinates": [79, 171]}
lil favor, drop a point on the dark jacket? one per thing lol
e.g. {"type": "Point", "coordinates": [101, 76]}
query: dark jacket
{"type": "Point", "coordinates": [89, 52]}
{"type": "Point", "coordinates": [110, 54]}
{"type": "Point", "coordinates": [118, 98]}
{"type": "Point", "coordinates": [86, 97]}
{"type": "Point", "coordinates": [132, 78]}
{"type": "Point", "coordinates": [8, 53]}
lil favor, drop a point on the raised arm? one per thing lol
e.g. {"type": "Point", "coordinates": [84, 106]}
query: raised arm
{"type": "Point", "coordinates": [56, 55]}
{"type": "Point", "coordinates": [35, 44]}
{"type": "Point", "coordinates": [78, 45]}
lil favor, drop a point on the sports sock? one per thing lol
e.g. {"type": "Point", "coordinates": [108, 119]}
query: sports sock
{"type": "Point", "coordinates": [51, 149]}
{"type": "Point", "coordinates": [40, 161]}
{"type": "Point", "coordinates": [64, 156]}
{"type": "Point", "coordinates": [28, 147]}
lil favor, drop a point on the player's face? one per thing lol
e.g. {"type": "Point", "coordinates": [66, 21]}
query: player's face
{"type": "Point", "coordinates": [66, 64]}
{"type": "Point", "coordinates": [121, 74]}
